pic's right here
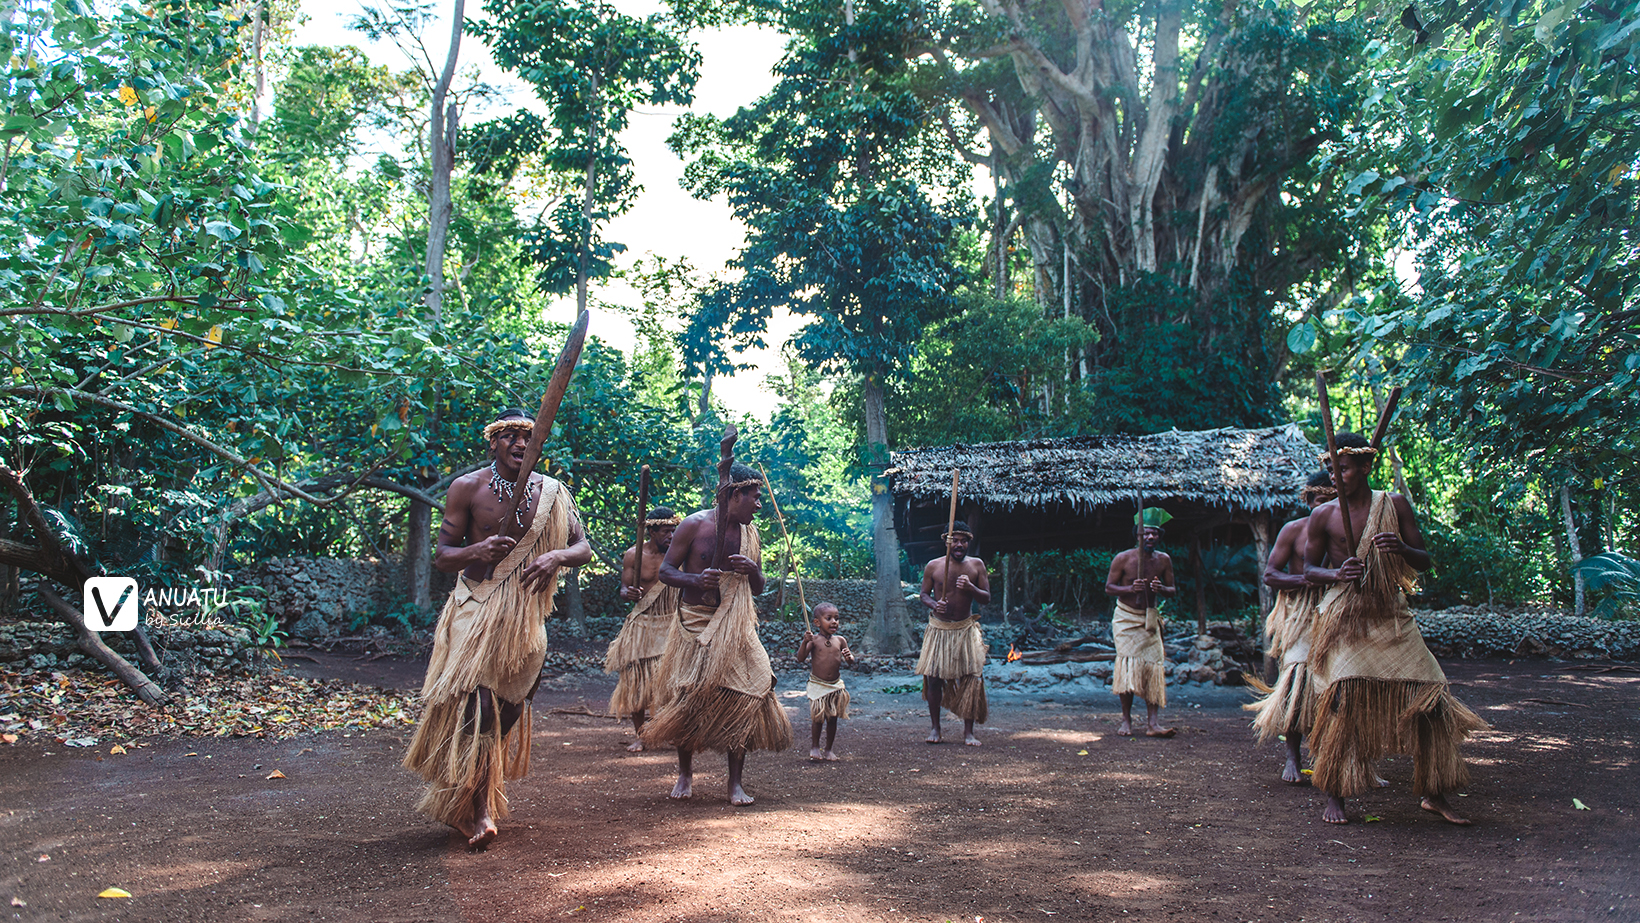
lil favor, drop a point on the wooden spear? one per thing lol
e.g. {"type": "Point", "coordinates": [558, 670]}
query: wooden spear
{"type": "Point", "coordinates": [1139, 549]}
{"type": "Point", "coordinates": [802, 601]}
{"type": "Point", "coordinates": [951, 526]}
{"type": "Point", "coordinates": [1332, 453]}
{"type": "Point", "coordinates": [643, 515]}
{"type": "Point", "coordinates": [544, 417]}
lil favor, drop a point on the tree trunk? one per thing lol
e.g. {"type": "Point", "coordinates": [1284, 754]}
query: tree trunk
{"type": "Point", "coordinates": [88, 641]}
{"type": "Point", "coordinates": [1007, 584]}
{"type": "Point", "coordinates": [574, 609]}
{"type": "Point", "coordinates": [418, 555]}
{"type": "Point", "coordinates": [443, 126]}
{"type": "Point", "coordinates": [1266, 597]}
{"type": "Point", "coordinates": [1201, 584]}
{"type": "Point", "coordinates": [1576, 548]}
{"type": "Point", "coordinates": [890, 625]}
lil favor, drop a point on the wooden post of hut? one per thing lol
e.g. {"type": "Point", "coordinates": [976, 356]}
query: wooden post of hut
{"type": "Point", "coordinates": [1201, 582]}
{"type": "Point", "coordinates": [1260, 524]}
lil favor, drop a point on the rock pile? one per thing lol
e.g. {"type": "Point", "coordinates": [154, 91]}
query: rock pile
{"type": "Point", "coordinates": [1477, 631]}
{"type": "Point", "coordinates": [218, 650]}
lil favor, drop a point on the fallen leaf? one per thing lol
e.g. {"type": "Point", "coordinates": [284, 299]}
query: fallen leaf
{"type": "Point", "coordinates": [9, 738]}
{"type": "Point", "coordinates": [43, 858]}
{"type": "Point", "coordinates": [1373, 818]}
{"type": "Point", "coordinates": [276, 774]}
{"type": "Point", "coordinates": [18, 902]}
{"type": "Point", "coordinates": [1081, 753]}
{"type": "Point", "coordinates": [191, 754]}
{"type": "Point", "coordinates": [1579, 805]}
{"type": "Point", "coordinates": [114, 892]}
{"type": "Point", "coordinates": [1308, 772]}
{"type": "Point", "coordinates": [116, 750]}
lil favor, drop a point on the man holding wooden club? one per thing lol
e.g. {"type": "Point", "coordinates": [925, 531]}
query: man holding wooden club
{"type": "Point", "coordinates": [509, 546]}
{"type": "Point", "coordinates": [508, 531]}
{"type": "Point", "coordinates": [636, 652]}
{"type": "Point", "coordinates": [720, 682]}
{"type": "Point", "coordinates": [1382, 691]}
{"type": "Point", "coordinates": [952, 663]}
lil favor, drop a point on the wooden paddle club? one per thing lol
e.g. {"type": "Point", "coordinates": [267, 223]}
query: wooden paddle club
{"type": "Point", "coordinates": [544, 417]}
{"type": "Point", "coordinates": [643, 531]}
{"type": "Point", "coordinates": [1332, 453]}
{"type": "Point", "coordinates": [726, 461]}
{"type": "Point", "coordinates": [1385, 416]}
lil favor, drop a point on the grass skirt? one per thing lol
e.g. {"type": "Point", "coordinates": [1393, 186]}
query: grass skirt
{"type": "Point", "coordinates": [638, 689]}
{"type": "Point", "coordinates": [1361, 720]}
{"type": "Point", "coordinates": [954, 653]}
{"type": "Point", "coordinates": [1289, 708]}
{"type": "Point", "coordinates": [491, 634]}
{"type": "Point", "coordinates": [1141, 664]}
{"type": "Point", "coordinates": [705, 716]}
{"type": "Point", "coordinates": [636, 651]}
{"type": "Point", "coordinates": [719, 684]}
{"type": "Point", "coordinates": [833, 705]}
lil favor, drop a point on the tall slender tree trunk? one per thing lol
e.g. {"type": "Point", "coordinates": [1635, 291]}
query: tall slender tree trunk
{"type": "Point", "coordinates": [442, 128]}
{"type": "Point", "coordinates": [574, 607]}
{"type": "Point", "coordinates": [890, 625]}
{"type": "Point", "coordinates": [1575, 546]}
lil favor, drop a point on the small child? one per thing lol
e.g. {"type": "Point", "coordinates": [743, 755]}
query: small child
{"type": "Point", "coordinates": [828, 700]}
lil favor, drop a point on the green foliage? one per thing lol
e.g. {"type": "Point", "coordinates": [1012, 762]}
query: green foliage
{"type": "Point", "coordinates": [1229, 575]}
{"type": "Point", "coordinates": [1615, 579]}
{"type": "Point", "coordinates": [1504, 152]}
{"type": "Point", "coordinates": [826, 173]}
{"type": "Point", "coordinates": [591, 65]}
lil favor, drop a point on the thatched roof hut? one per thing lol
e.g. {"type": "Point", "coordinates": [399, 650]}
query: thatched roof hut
{"type": "Point", "coordinates": [1082, 491]}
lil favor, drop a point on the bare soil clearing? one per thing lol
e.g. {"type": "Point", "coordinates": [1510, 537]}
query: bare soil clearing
{"type": "Point", "coordinates": [1027, 827]}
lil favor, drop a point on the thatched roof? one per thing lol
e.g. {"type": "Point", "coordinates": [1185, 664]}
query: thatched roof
{"type": "Point", "coordinates": [1245, 469]}
{"type": "Point", "coordinates": [1082, 491]}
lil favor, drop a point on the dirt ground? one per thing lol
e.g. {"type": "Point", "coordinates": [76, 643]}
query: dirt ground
{"type": "Point", "coordinates": [1054, 817]}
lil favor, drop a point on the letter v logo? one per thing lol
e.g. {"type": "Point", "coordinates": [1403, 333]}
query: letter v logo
{"type": "Point", "coordinates": [111, 603]}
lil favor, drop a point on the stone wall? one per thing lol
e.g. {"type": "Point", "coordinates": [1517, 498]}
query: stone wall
{"type": "Point", "coordinates": [853, 599]}
{"type": "Point", "coordinates": [306, 594]}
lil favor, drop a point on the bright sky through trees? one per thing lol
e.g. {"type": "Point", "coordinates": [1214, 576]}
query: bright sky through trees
{"type": "Point", "coordinates": [666, 221]}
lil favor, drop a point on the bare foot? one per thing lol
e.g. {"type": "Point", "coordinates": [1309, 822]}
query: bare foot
{"type": "Point", "coordinates": [1333, 813]}
{"type": "Point", "coordinates": [684, 789]}
{"type": "Point", "coordinates": [970, 740]}
{"type": "Point", "coordinates": [934, 737]}
{"type": "Point", "coordinates": [1156, 731]}
{"type": "Point", "coordinates": [486, 834]}
{"type": "Point", "coordinates": [1291, 774]}
{"type": "Point", "coordinates": [816, 754]}
{"type": "Point", "coordinates": [1437, 803]}
{"type": "Point", "coordinates": [635, 747]}
{"type": "Point", "coordinates": [1125, 728]}
{"type": "Point", "coordinates": [829, 756]}
{"type": "Point", "coordinates": [738, 797]}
